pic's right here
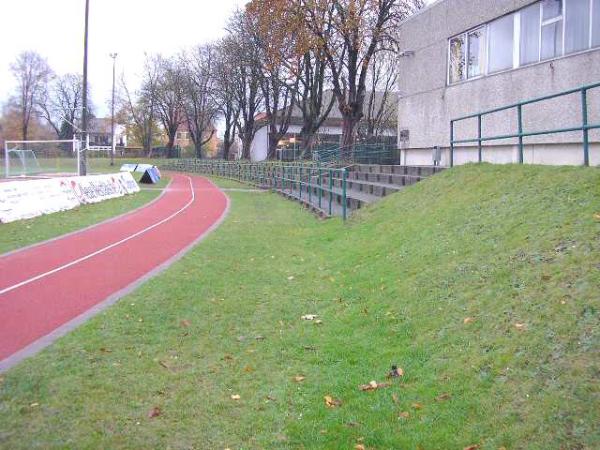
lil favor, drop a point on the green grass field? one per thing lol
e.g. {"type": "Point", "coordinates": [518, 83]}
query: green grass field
{"type": "Point", "coordinates": [19, 234]}
{"type": "Point", "coordinates": [481, 283]}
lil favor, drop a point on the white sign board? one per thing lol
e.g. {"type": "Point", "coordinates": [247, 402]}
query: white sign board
{"type": "Point", "coordinates": [32, 198]}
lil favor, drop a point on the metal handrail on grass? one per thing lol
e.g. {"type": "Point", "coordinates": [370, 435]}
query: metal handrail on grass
{"type": "Point", "coordinates": [303, 181]}
{"type": "Point", "coordinates": [585, 127]}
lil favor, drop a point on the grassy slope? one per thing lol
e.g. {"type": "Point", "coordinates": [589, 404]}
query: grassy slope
{"type": "Point", "coordinates": [501, 244]}
{"type": "Point", "coordinates": [19, 234]}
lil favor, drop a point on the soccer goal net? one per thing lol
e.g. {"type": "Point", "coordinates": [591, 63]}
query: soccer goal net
{"type": "Point", "coordinates": [41, 158]}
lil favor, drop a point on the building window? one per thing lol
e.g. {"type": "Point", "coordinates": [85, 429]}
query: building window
{"type": "Point", "coordinates": [577, 26]}
{"type": "Point", "coordinates": [476, 52]}
{"type": "Point", "coordinates": [544, 30]}
{"type": "Point", "coordinates": [552, 27]}
{"type": "Point", "coordinates": [595, 23]}
{"type": "Point", "coordinates": [501, 43]}
{"type": "Point", "coordinates": [529, 45]}
{"type": "Point", "coordinates": [457, 59]}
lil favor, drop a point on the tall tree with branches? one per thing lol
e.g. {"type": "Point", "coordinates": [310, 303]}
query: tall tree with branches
{"type": "Point", "coordinates": [199, 102]}
{"type": "Point", "coordinates": [32, 73]}
{"type": "Point", "coordinates": [168, 95]}
{"type": "Point", "coordinates": [60, 104]}
{"type": "Point", "coordinates": [224, 95]}
{"type": "Point", "coordinates": [245, 71]}
{"type": "Point", "coordinates": [350, 33]}
{"type": "Point", "coordinates": [141, 107]}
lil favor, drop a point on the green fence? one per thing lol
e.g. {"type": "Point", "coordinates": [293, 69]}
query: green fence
{"type": "Point", "coordinates": [359, 153]}
{"type": "Point", "coordinates": [320, 187]}
{"type": "Point", "coordinates": [584, 128]}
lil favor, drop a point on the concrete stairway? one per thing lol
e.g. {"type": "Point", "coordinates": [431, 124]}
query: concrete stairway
{"type": "Point", "coordinates": [365, 184]}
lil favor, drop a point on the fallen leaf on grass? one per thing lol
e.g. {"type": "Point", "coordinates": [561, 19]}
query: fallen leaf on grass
{"type": "Point", "coordinates": [373, 385]}
{"type": "Point", "coordinates": [395, 398]}
{"type": "Point", "coordinates": [105, 350]}
{"type": "Point", "coordinates": [260, 338]}
{"type": "Point", "coordinates": [235, 397]}
{"type": "Point", "coordinates": [248, 369]}
{"type": "Point", "coordinates": [154, 412]}
{"type": "Point", "coordinates": [359, 447]}
{"type": "Point", "coordinates": [395, 372]}
{"type": "Point", "coordinates": [472, 447]}
{"type": "Point", "coordinates": [521, 326]}
{"type": "Point", "coordinates": [331, 402]}
{"type": "Point", "coordinates": [404, 415]}
{"type": "Point", "coordinates": [290, 278]}
{"type": "Point", "coordinates": [309, 316]}
{"type": "Point", "coordinates": [597, 216]}
{"type": "Point", "coordinates": [443, 397]}
{"type": "Point", "coordinates": [417, 406]}
{"type": "Point", "coordinates": [185, 323]}
{"type": "Point", "coordinates": [299, 378]}
{"type": "Point", "coordinates": [270, 398]}
{"type": "Point", "coordinates": [318, 322]}
{"type": "Point", "coordinates": [163, 364]}
{"type": "Point", "coordinates": [468, 320]}
{"type": "Point", "coordinates": [34, 405]}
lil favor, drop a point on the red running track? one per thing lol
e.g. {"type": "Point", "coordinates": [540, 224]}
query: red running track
{"type": "Point", "coordinates": [59, 283]}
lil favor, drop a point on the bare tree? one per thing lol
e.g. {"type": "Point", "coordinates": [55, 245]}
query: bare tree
{"type": "Point", "coordinates": [381, 101]}
{"type": "Point", "coordinates": [310, 98]}
{"type": "Point", "coordinates": [199, 103]}
{"type": "Point", "coordinates": [350, 33]}
{"type": "Point", "coordinates": [168, 95]}
{"type": "Point", "coordinates": [60, 104]}
{"type": "Point", "coordinates": [32, 73]}
{"type": "Point", "coordinates": [245, 70]}
{"type": "Point", "coordinates": [141, 107]}
{"type": "Point", "coordinates": [224, 95]}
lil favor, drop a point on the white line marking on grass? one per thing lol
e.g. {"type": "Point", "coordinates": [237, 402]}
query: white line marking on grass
{"type": "Point", "coordinates": [104, 249]}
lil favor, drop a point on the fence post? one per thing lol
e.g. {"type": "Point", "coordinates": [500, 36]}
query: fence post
{"type": "Point", "coordinates": [479, 136]}
{"type": "Point", "coordinates": [584, 114]}
{"type": "Point", "coordinates": [452, 143]}
{"type": "Point", "coordinates": [300, 178]}
{"type": "Point", "coordinates": [344, 206]}
{"type": "Point", "coordinates": [320, 186]}
{"type": "Point", "coordinates": [330, 189]}
{"type": "Point", "coordinates": [520, 129]}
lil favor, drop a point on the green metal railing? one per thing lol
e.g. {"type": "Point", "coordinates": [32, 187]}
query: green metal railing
{"type": "Point", "coordinates": [320, 187]}
{"type": "Point", "coordinates": [359, 153]}
{"type": "Point", "coordinates": [584, 128]}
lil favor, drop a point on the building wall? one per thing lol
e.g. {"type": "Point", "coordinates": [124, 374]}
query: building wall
{"type": "Point", "coordinates": [427, 103]}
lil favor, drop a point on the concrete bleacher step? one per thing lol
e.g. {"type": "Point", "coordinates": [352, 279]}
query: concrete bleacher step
{"type": "Point", "coordinates": [368, 187]}
{"type": "Point", "coordinates": [365, 184]}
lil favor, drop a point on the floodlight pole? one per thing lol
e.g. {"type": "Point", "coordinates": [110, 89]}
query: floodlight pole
{"type": "Point", "coordinates": [112, 119]}
{"type": "Point", "coordinates": [84, 99]}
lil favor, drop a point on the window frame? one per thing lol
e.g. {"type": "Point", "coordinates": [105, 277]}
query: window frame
{"type": "Point", "coordinates": [516, 15]}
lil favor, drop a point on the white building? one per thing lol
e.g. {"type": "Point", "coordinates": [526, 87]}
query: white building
{"type": "Point", "coordinates": [463, 57]}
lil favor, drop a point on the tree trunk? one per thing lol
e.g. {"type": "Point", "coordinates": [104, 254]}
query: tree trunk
{"type": "Point", "coordinates": [272, 150]}
{"type": "Point", "coordinates": [171, 141]}
{"type": "Point", "coordinates": [308, 140]}
{"type": "Point", "coordinates": [198, 148]}
{"type": "Point", "coordinates": [246, 145]}
{"type": "Point", "coordinates": [349, 126]}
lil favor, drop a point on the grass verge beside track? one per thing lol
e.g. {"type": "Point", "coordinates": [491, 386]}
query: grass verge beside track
{"type": "Point", "coordinates": [22, 233]}
{"type": "Point", "coordinates": [481, 283]}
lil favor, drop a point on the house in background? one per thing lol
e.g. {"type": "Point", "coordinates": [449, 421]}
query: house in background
{"type": "Point", "coordinates": [466, 56]}
{"type": "Point", "coordinates": [100, 130]}
{"type": "Point", "coordinates": [329, 134]}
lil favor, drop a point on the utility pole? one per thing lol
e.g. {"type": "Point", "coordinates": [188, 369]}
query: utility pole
{"type": "Point", "coordinates": [112, 120]}
{"type": "Point", "coordinates": [84, 112]}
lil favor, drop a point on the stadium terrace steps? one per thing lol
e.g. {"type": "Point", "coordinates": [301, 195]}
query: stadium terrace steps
{"type": "Point", "coordinates": [365, 184]}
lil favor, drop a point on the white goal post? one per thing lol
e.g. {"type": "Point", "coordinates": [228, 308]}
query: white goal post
{"type": "Point", "coordinates": [41, 157]}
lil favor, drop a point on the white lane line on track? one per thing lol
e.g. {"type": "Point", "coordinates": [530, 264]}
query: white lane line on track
{"type": "Point", "coordinates": [104, 249]}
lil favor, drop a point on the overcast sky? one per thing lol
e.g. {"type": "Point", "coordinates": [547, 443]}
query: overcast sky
{"type": "Point", "coordinates": [54, 28]}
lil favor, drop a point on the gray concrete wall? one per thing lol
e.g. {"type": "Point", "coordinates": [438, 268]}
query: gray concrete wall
{"type": "Point", "coordinates": [427, 104]}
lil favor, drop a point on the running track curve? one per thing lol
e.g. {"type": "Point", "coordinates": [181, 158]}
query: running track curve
{"type": "Point", "coordinates": [48, 289]}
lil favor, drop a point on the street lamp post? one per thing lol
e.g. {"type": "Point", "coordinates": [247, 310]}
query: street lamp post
{"type": "Point", "coordinates": [112, 117]}
{"type": "Point", "coordinates": [84, 99]}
